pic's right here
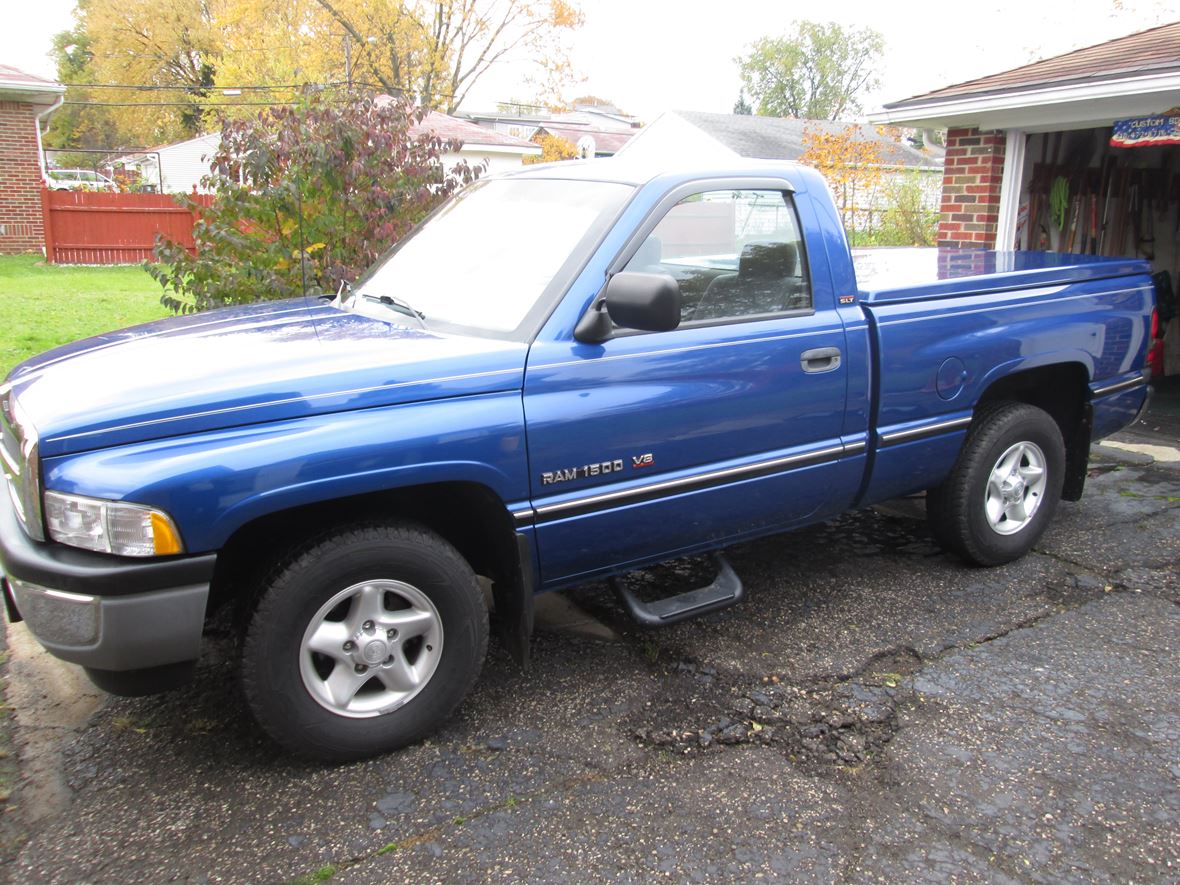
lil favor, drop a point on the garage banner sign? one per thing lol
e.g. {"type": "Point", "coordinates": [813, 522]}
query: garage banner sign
{"type": "Point", "coordinates": [1147, 131]}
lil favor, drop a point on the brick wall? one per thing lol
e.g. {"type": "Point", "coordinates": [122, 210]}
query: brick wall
{"type": "Point", "coordinates": [971, 188]}
{"type": "Point", "coordinates": [21, 227]}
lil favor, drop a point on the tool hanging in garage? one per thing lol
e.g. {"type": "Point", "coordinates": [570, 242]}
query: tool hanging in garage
{"type": "Point", "coordinates": [1083, 196]}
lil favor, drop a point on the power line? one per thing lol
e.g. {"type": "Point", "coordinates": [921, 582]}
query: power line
{"type": "Point", "coordinates": [178, 104]}
{"type": "Point", "coordinates": [152, 86]}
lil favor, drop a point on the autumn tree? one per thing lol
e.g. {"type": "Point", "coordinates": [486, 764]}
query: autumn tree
{"type": "Point", "coordinates": [188, 64]}
{"type": "Point", "coordinates": [172, 46]}
{"type": "Point", "coordinates": [309, 195]}
{"type": "Point", "coordinates": [553, 148]}
{"type": "Point", "coordinates": [818, 73]}
{"type": "Point", "coordinates": [437, 51]}
{"type": "Point", "coordinates": [282, 44]}
{"type": "Point", "coordinates": [851, 164]}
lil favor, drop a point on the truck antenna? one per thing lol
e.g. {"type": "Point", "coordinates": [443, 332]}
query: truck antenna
{"type": "Point", "coordinates": [302, 250]}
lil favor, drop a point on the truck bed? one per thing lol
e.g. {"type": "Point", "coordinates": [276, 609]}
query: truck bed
{"type": "Point", "coordinates": [888, 275]}
{"type": "Point", "coordinates": [950, 324]}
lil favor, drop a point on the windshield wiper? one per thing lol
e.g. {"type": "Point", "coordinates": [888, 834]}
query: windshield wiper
{"type": "Point", "coordinates": [397, 305]}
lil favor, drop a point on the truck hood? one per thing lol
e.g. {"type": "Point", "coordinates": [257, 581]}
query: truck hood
{"type": "Point", "coordinates": [246, 365]}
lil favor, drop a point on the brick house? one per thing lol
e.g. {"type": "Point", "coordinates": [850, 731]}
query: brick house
{"type": "Point", "coordinates": [1038, 157]}
{"type": "Point", "coordinates": [23, 99]}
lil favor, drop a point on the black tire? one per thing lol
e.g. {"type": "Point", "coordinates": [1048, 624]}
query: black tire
{"type": "Point", "coordinates": [957, 510]}
{"type": "Point", "coordinates": [274, 656]}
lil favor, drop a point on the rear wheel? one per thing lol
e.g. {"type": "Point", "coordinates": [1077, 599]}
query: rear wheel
{"type": "Point", "coordinates": [1004, 488]}
{"type": "Point", "coordinates": [363, 641]}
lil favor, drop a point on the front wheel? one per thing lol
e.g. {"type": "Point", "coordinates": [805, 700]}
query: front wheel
{"type": "Point", "coordinates": [363, 641]}
{"type": "Point", "coordinates": [1004, 488]}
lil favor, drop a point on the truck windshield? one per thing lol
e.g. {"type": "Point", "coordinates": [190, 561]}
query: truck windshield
{"type": "Point", "coordinates": [486, 259]}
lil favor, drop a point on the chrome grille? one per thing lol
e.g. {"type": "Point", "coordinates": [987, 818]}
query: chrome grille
{"type": "Point", "coordinates": [18, 459]}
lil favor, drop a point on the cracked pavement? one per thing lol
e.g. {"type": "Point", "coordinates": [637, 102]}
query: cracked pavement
{"type": "Point", "coordinates": [874, 710]}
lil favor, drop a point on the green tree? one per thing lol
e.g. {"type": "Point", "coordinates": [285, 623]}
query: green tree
{"type": "Point", "coordinates": [907, 220]}
{"type": "Point", "coordinates": [741, 107]}
{"type": "Point", "coordinates": [77, 125]}
{"type": "Point", "coordinates": [818, 73]}
{"type": "Point", "coordinates": [318, 191]}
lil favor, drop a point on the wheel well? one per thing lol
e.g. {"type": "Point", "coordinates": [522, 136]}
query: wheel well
{"type": "Point", "coordinates": [1063, 391]}
{"type": "Point", "coordinates": [469, 516]}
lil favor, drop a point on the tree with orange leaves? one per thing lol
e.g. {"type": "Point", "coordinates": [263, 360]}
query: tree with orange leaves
{"type": "Point", "coordinates": [851, 164]}
{"type": "Point", "coordinates": [553, 148]}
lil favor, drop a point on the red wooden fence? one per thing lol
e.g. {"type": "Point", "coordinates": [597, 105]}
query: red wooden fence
{"type": "Point", "coordinates": [83, 227]}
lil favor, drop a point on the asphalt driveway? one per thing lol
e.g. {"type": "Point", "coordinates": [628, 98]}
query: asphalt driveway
{"type": "Point", "coordinates": [874, 710]}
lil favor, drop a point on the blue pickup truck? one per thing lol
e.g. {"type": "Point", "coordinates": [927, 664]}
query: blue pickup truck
{"type": "Point", "coordinates": [566, 373]}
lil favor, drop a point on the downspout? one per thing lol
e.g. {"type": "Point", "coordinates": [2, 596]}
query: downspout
{"type": "Point", "coordinates": [41, 150]}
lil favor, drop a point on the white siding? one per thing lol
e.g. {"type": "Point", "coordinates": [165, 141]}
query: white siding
{"type": "Point", "coordinates": [498, 160]}
{"type": "Point", "coordinates": [183, 164]}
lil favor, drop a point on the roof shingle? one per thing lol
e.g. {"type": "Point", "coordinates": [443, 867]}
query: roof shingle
{"type": "Point", "coordinates": [781, 138]}
{"type": "Point", "coordinates": [453, 129]}
{"type": "Point", "coordinates": [1156, 50]}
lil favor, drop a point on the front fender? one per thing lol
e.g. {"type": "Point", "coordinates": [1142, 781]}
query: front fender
{"type": "Point", "coordinates": [214, 483]}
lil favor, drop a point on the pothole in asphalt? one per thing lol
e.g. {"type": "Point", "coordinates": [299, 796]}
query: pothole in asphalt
{"type": "Point", "coordinates": [844, 723]}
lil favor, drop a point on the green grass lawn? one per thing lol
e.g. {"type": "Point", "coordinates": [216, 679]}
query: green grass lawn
{"type": "Point", "coordinates": [44, 305]}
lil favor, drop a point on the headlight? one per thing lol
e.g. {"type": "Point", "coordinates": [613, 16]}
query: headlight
{"type": "Point", "coordinates": [110, 526]}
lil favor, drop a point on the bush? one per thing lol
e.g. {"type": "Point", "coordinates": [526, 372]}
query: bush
{"type": "Point", "coordinates": [906, 221]}
{"type": "Point", "coordinates": [358, 174]}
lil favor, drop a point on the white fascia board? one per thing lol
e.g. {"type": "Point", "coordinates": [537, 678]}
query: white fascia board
{"type": "Point", "coordinates": [1069, 106]}
{"type": "Point", "coordinates": [476, 148]}
{"type": "Point", "coordinates": [31, 86]}
{"type": "Point", "coordinates": [28, 91]}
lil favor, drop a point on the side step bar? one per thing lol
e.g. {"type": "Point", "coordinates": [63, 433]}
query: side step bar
{"type": "Point", "coordinates": [726, 590]}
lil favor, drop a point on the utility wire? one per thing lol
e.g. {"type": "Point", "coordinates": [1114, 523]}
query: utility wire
{"type": "Point", "coordinates": [153, 87]}
{"type": "Point", "coordinates": [178, 104]}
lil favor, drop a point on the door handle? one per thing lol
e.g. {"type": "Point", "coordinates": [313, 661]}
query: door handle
{"type": "Point", "coordinates": [820, 359]}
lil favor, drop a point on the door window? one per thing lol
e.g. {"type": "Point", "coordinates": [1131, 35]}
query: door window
{"type": "Point", "coordinates": [735, 253]}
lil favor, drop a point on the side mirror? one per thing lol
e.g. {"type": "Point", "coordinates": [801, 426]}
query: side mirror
{"type": "Point", "coordinates": [649, 302]}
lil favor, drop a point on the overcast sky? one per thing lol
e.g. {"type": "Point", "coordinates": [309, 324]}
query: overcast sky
{"type": "Point", "coordinates": [652, 55]}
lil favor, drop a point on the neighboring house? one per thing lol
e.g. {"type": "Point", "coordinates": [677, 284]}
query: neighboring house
{"type": "Point", "coordinates": [590, 143]}
{"type": "Point", "coordinates": [1013, 136]}
{"type": "Point", "coordinates": [497, 151]}
{"type": "Point", "coordinates": [594, 131]}
{"type": "Point", "coordinates": [179, 167]}
{"type": "Point", "coordinates": [173, 168]}
{"type": "Point", "coordinates": [518, 125]}
{"type": "Point", "coordinates": [25, 100]}
{"type": "Point", "coordinates": [715, 138]}
{"type": "Point", "coordinates": [598, 117]}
